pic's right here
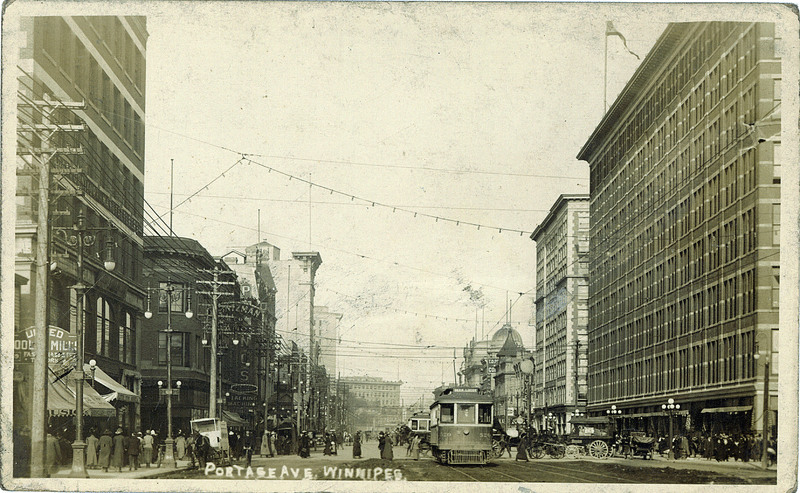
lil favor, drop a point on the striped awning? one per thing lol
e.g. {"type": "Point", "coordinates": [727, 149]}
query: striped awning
{"type": "Point", "coordinates": [729, 409]}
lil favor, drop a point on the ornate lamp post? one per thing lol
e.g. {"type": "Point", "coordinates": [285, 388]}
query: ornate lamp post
{"type": "Point", "coordinates": [92, 368]}
{"type": "Point", "coordinates": [614, 413]}
{"type": "Point", "coordinates": [169, 456]}
{"type": "Point", "coordinates": [79, 236]}
{"type": "Point", "coordinates": [670, 408]}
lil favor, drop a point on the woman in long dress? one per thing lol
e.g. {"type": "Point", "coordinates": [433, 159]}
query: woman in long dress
{"type": "Point", "coordinates": [91, 450]}
{"type": "Point", "coordinates": [387, 454]}
{"type": "Point", "coordinates": [357, 445]}
{"type": "Point", "coordinates": [118, 450]}
{"type": "Point", "coordinates": [522, 446]}
{"type": "Point", "coordinates": [105, 443]}
{"type": "Point", "coordinates": [415, 447]}
{"type": "Point", "coordinates": [180, 446]}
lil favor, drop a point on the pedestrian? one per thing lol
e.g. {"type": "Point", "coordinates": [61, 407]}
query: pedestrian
{"type": "Point", "coordinates": [105, 443]}
{"type": "Point", "coordinates": [684, 444]}
{"type": "Point", "coordinates": [381, 442]}
{"type": "Point", "coordinates": [305, 445]}
{"type": "Point", "coordinates": [273, 437]}
{"type": "Point", "coordinates": [147, 448]}
{"type": "Point", "coordinates": [247, 446]}
{"type": "Point", "coordinates": [522, 446]}
{"type": "Point", "coordinates": [327, 449]}
{"type": "Point", "coordinates": [118, 450]}
{"type": "Point", "coordinates": [180, 446]}
{"type": "Point", "coordinates": [415, 447]}
{"type": "Point", "coordinates": [91, 450]}
{"type": "Point", "coordinates": [134, 447]}
{"type": "Point", "coordinates": [52, 454]}
{"type": "Point", "coordinates": [357, 445]}
{"type": "Point", "coordinates": [387, 452]}
{"type": "Point", "coordinates": [334, 443]}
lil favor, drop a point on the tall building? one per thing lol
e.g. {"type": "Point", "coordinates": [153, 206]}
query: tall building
{"type": "Point", "coordinates": [328, 336]}
{"type": "Point", "coordinates": [685, 243]}
{"type": "Point", "coordinates": [562, 297]}
{"type": "Point", "coordinates": [83, 79]}
{"type": "Point", "coordinates": [257, 288]}
{"type": "Point", "coordinates": [295, 279]}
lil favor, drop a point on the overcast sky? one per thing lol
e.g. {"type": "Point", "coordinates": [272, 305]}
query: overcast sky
{"type": "Point", "coordinates": [466, 111]}
{"type": "Point", "coordinates": [471, 112]}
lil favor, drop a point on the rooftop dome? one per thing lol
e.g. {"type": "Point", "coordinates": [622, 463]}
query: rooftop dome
{"type": "Point", "coordinates": [499, 337]}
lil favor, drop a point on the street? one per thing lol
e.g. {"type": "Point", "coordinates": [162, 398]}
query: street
{"type": "Point", "coordinates": [614, 470]}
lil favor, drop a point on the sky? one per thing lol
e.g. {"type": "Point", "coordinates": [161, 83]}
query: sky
{"type": "Point", "coordinates": [469, 112]}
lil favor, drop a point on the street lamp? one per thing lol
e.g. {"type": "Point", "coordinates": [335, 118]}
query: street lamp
{"type": "Point", "coordinates": [670, 408]}
{"type": "Point", "coordinates": [92, 368]}
{"type": "Point", "coordinates": [80, 235]}
{"type": "Point", "coordinates": [169, 457]}
{"type": "Point", "coordinates": [577, 413]}
{"type": "Point", "coordinates": [765, 413]}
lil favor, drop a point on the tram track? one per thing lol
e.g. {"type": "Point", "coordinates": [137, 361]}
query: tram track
{"type": "Point", "coordinates": [572, 478]}
{"type": "Point", "coordinates": [553, 467]}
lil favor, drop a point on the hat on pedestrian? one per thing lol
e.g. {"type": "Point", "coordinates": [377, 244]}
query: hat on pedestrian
{"type": "Point", "coordinates": [119, 431]}
{"type": "Point", "coordinates": [139, 433]}
{"type": "Point", "coordinates": [153, 432]}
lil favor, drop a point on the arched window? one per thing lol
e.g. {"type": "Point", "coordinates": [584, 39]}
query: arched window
{"type": "Point", "coordinates": [103, 339]}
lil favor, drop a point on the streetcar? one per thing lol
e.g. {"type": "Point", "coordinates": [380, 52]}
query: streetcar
{"type": "Point", "coordinates": [461, 426]}
{"type": "Point", "coordinates": [419, 424]}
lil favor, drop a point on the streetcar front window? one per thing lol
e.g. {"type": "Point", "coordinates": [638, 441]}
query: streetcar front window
{"type": "Point", "coordinates": [447, 413]}
{"type": "Point", "coordinates": [466, 413]}
{"type": "Point", "coordinates": [414, 425]}
{"type": "Point", "coordinates": [484, 414]}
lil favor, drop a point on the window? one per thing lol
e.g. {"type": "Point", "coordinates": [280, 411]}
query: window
{"type": "Point", "coordinates": [447, 413]}
{"type": "Point", "coordinates": [103, 338]}
{"type": "Point", "coordinates": [466, 413]}
{"type": "Point", "coordinates": [179, 350]}
{"type": "Point", "coordinates": [414, 425]}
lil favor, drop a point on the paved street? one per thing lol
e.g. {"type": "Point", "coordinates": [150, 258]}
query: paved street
{"type": "Point", "coordinates": [615, 470]}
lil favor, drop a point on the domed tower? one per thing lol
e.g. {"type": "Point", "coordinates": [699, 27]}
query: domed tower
{"type": "Point", "coordinates": [499, 337]}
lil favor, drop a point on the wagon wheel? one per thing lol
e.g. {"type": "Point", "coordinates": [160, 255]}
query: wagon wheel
{"type": "Point", "coordinates": [536, 452]}
{"type": "Point", "coordinates": [598, 449]}
{"type": "Point", "coordinates": [573, 451]}
{"type": "Point", "coordinates": [557, 451]}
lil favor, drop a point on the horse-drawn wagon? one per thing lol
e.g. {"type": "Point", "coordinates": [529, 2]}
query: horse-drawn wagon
{"type": "Point", "coordinates": [214, 446]}
{"type": "Point", "coordinates": [591, 435]}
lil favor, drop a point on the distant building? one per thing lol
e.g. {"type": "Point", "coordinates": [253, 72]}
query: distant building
{"type": "Point", "coordinates": [328, 338]}
{"type": "Point", "coordinates": [375, 402]}
{"type": "Point", "coordinates": [562, 296]}
{"type": "Point", "coordinates": [509, 396]}
{"type": "Point", "coordinates": [480, 358]}
{"type": "Point", "coordinates": [685, 172]}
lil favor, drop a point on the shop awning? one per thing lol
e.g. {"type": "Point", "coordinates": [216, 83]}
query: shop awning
{"type": "Point", "coordinates": [117, 390]}
{"type": "Point", "coordinates": [233, 419]}
{"type": "Point", "coordinates": [729, 409]}
{"type": "Point", "coordinates": [61, 400]}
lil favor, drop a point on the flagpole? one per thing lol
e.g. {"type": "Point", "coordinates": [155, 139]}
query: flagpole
{"type": "Point", "coordinates": [605, 74]}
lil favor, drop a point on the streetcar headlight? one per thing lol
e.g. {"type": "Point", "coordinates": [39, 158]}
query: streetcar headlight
{"type": "Point", "coordinates": [466, 432]}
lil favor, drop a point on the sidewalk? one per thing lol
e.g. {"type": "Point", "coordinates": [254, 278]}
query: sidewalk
{"type": "Point", "coordinates": [113, 473]}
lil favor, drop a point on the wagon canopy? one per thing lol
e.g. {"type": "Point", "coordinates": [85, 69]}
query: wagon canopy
{"type": "Point", "coordinates": [589, 420]}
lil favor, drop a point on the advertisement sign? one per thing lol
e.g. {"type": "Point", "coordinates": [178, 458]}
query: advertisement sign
{"type": "Point", "coordinates": [61, 353]}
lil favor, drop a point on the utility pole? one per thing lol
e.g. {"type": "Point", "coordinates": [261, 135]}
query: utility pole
{"type": "Point", "coordinates": [215, 294]}
{"type": "Point", "coordinates": [40, 162]}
